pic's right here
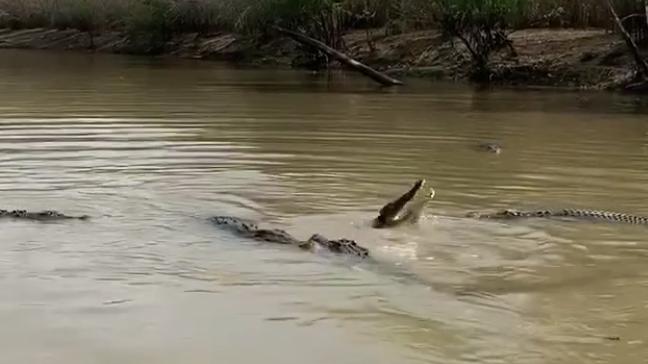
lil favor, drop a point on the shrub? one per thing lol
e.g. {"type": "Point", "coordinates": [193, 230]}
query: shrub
{"type": "Point", "coordinates": [481, 25]}
{"type": "Point", "coordinates": [148, 24]}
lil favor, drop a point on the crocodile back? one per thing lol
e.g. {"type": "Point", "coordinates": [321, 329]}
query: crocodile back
{"type": "Point", "coordinates": [573, 213]}
{"type": "Point", "coordinates": [235, 224]}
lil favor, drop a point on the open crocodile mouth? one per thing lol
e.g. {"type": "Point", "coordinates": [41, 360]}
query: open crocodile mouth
{"type": "Point", "coordinates": [406, 208]}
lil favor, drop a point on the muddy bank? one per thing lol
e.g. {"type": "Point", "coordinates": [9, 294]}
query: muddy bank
{"type": "Point", "coordinates": [590, 59]}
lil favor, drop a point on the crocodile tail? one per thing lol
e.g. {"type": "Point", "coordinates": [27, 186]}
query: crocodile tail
{"type": "Point", "coordinates": [575, 213]}
{"type": "Point", "coordinates": [609, 216]}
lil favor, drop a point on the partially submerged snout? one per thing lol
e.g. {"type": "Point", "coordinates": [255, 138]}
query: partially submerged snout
{"type": "Point", "coordinates": [491, 147]}
{"type": "Point", "coordinates": [406, 208]}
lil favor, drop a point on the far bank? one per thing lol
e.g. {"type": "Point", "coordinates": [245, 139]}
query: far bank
{"type": "Point", "coordinates": [564, 58]}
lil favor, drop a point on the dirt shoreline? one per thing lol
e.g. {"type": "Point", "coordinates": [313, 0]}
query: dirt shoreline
{"type": "Point", "coordinates": [564, 58]}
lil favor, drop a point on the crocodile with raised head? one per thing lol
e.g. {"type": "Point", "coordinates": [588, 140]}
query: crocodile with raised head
{"type": "Point", "coordinates": [509, 214]}
{"type": "Point", "coordinates": [46, 215]}
{"type": "Point", "coordinates": [406, 208]}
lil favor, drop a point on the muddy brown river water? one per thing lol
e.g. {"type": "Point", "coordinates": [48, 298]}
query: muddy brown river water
{"type": "Point", "coordinates": [151, 148]}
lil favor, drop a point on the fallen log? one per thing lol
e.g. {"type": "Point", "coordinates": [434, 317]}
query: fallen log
{"type": "Point", "coordinates": [343, 58]}
{"type": "Point", "coordinates": [637, 87]}
{"type": "Point", "coordinates": [632, 46]}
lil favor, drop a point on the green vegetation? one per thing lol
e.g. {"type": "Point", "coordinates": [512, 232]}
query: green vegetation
{"type": "Point", "coordinates": [481, 25]}
{"type": "Point", "coordinates": [253, 16]}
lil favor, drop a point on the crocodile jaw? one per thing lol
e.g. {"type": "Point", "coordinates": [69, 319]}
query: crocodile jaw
{"type": "Point", "coordinates": [407, 207]}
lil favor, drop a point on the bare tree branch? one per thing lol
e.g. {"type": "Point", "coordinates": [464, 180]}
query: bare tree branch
{"type": "Point", "coordinates": [632, 46]}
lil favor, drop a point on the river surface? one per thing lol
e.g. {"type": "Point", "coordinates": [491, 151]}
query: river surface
{"type": "Point", "coordinates": [151, 148]}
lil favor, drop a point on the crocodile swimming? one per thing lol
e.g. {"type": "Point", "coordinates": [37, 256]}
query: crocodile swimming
{"type": "Point", "coordinates": [490, 147]}
{"type": "Point", "coordinates": [406, 208]}
{"type": "Point", "coordinates": [46, 215]}
{"type": "Point", "coordinates": [395, 213]}
{"type": "Point", "coordinates": [510, 214]}
{"type": "Point", "coordinates": [251, 230]}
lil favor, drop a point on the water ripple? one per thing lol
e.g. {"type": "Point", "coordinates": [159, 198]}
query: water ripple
{"type": "Point", "coordinates": [151, 149]}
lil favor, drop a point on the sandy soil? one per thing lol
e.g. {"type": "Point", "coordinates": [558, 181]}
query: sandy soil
{"type": "Point", "coordinates": [574, 58]}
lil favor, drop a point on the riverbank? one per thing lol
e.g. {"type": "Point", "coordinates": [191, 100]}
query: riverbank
{"type": "Point", "coordinates": [566, 58]}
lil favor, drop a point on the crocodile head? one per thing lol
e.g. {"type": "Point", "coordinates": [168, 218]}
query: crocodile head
{"type": "Point", "coordinates": [340, 246]}
{"type": "Point", "coordinates": [407, 207]}
{"type": "Point", "coordinates": [491, 147]}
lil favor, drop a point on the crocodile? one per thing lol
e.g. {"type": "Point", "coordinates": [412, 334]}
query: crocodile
{"type": "Point", "coordinates": [490, 147]}
{"type": "Point", "coordinates": [509, 214]}
{"type": "Point", "coordinates": [406, 208]}
{"type": "Point", "coordinates": [46, 215]}
{"type": "Point", "coordinates": [251, 230]}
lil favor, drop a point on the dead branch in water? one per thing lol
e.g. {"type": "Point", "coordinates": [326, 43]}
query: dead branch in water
{"type": "Point", "coordinates": [632, 46]}
{"type": "Point", "coordinates": [343, 58]}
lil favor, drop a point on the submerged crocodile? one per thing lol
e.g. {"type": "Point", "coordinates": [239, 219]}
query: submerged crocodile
{"type": "Point", "coordinates": [46, 215]}
{"type": "Point", "coordinates": [608, 216]}
{"type": "Point", "coordinates": [406, 208]}
{"type": "Point", "coordinates": [251, 230]}
{"type": "Point", "coordinates": [490, 147]}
